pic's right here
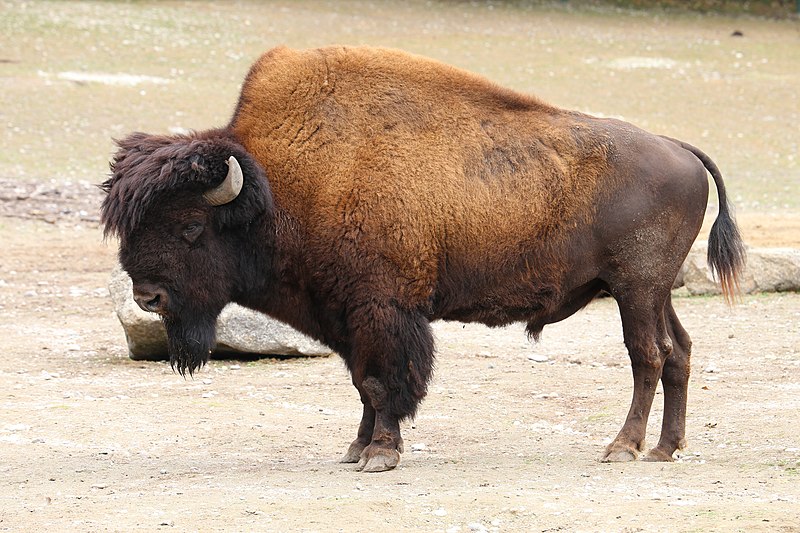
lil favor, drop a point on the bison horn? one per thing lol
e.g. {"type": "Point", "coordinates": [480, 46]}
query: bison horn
{"type": "Point", "coordinates": [228, 189]}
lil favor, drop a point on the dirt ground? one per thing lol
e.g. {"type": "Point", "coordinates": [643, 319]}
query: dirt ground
{"type": "Point", "coordinates": [92, 441]}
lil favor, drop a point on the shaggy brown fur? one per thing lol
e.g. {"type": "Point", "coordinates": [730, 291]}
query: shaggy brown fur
{"type": "Point", "coordinates": [385, 190]}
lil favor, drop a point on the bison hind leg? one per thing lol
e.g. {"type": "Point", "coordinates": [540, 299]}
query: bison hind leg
{"type": "Point", "coordinates": [675, 381]}
{"type": "Point", "coordinates": [649, 347]}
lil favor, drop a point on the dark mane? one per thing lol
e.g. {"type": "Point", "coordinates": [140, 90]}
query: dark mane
{"type": "Point", "coordinates": [149, 168]}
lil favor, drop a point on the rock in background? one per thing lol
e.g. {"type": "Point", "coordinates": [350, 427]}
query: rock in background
{"type": "Point", "coordinates": [239, 330]}
{"type": "Point", "coordinates": [767, 270]}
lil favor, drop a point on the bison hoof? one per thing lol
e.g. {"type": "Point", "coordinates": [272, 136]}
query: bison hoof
{"type": "Point", "coordinates": [378, 459]}
{"type": "Point", "coordinates": [657, 455]}
{"type": "Point", "coordinates": [353, 454]}
{"type": "Point", "coordinates": [619, 455]}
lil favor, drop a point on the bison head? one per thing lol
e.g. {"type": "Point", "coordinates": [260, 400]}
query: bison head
{"type": "Point", "coordinates": [186, 210]}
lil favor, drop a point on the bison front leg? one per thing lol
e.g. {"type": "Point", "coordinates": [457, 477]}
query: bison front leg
{"type": "Point", "coordinates": [386, 445]}
{"type": "Point", "coordinates": [391, 363]}
{"type": "Point", "coordinates": [365, 430]}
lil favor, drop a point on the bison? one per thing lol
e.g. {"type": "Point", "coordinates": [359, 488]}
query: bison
{"type": "Point", "coordinates": [358, 194]}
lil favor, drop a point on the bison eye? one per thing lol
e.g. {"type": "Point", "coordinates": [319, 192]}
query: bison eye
{"type": "Point", "coordinates": [192, 231]}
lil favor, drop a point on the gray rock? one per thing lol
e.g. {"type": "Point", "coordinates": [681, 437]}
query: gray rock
{"type": "Point", "coordinates": [239, 330]}
{"type": "Point", "coordinates": [767, 270]}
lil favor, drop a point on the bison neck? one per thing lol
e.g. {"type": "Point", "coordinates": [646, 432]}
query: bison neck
{"type": "Point", "coordinates": [273, 279]}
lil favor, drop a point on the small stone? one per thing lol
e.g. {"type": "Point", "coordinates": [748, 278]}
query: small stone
{"type": "Point", "coordinates": [419, 447]}
{"type": "Point", "coordinates": [538, 358]}
{"type": "Point", "coordinates": [475, 526]}
{"type": "Point", "coordinates": [711, 368]}
{"type": "Point", "coordinates": [439, 512]}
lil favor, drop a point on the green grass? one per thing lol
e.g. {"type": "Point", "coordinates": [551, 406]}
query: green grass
{"type": "Point", "coordinates": [735, 97]}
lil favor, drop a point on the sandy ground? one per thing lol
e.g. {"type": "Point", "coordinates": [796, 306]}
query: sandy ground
{"type": "Point", "coordinates": [92, 441]}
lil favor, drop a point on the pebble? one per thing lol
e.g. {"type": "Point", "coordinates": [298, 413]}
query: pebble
{"type": "Point", "coordinates": [419, 447]}
{"type": "Point", "coordinates": [711, 368]}
{"type": "Point", "coordinates": [538, 358]}
{"type": "Point", "coordinates": [475, 526]}
{"type": "Point", "coordinates": [439, 512]}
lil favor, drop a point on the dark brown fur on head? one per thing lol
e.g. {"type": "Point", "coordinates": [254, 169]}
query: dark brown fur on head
{"type": "Point", "coordinates": [154, 193]}
{"type": "Point", "coordinates": [148, 168]}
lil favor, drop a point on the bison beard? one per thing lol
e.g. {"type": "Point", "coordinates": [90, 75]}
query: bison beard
{"type": "Point", "coordinates": [190, 341]}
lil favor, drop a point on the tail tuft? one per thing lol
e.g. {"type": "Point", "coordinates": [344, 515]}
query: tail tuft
{"type": "Point", "coordinates": [726, 254]}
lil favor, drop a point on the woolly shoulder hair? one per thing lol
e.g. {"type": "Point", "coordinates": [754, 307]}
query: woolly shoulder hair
{"type": "Point", "coordinates": [148, 169]}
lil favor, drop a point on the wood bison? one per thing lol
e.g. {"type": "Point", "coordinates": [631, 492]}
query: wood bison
{"type": "Point", "coordinates": [359, 193]}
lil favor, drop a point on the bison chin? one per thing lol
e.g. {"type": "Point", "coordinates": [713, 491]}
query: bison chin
{"type": "Point", "coordinates": [190, 341]}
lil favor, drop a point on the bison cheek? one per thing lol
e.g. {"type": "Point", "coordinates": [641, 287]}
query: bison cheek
{"type": "Point", "coordinates": [190, 341]}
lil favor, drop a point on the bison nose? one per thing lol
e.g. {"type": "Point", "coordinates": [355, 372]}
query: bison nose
{"type": "Point", "coordinates": [150, 298]}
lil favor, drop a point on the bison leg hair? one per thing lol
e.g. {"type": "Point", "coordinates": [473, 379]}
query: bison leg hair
{"type": "Point", "coordinates": [649, 345]}
{"type": "Point", "coordinates": [391, 362]}
{"type": "Point", "coordinates": [675, 380]}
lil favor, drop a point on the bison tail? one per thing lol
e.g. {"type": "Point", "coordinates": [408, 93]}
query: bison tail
{"type": "Point", "coordinates": [726, 251]}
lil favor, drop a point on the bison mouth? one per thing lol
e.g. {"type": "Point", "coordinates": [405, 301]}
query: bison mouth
{"type": "Point", "coordinates": [190, 342]}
